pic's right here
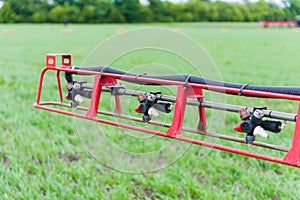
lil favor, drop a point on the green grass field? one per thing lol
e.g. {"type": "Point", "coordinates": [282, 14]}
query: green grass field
{"type": "Point", "coordinates": [43, 157]}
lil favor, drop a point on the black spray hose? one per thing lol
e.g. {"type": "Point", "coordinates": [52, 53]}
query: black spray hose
{"type": "Point", "coordinates": [191, 79]}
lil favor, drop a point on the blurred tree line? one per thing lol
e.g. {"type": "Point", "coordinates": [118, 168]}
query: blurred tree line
{"type": "Point", "coordinates": [116, 11]}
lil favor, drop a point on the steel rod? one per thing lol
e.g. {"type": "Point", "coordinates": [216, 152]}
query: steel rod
{"type": "Point", "coordinates": [191, 130]}
{"type": "Point", "coordinates": [163, 134]}
{"type": "Point", "coordinates": [205, 104]}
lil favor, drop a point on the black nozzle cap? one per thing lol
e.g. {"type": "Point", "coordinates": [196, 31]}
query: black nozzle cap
{"type": "Point", "coordinates": [247, 126]}
{"type": "Point", "coordinates": [146, 118]}
{"type": "Point", "coordinates": [163, 107]}
{"type": "Point", "coordinates": [250, 139]}
{"type": "Point", "coordinates": [144, 107]}
{"type": "Point", "coordinates": [273, 126]}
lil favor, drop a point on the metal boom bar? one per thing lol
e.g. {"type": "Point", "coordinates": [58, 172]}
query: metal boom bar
{"type": "Point", "coordinates": [206, 104]}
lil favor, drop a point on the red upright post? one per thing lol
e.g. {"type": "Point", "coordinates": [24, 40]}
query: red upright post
{"type": "Point", "coordinates": [202, 116]}
{"type": "Point", "coordinates": [293, 156]}
{"type": "Point", "coordinates": [118, 105]}
{"type": "Point", "coordinates": [179, 110]}
{"type": "Point", "coordinates": [59, 87]}
{"type": "Point", "coordinates": [196, 92]}
{"type": "Point", "coordinates": [92, 112]}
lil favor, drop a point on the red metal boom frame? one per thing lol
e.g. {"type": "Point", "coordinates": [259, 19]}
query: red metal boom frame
{"type": "Point", "coordinates": [279, 23]}
{"type": "Point", "coordinates": [184, 91]}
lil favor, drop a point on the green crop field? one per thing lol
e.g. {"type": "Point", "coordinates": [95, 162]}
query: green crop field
{"type": "Point", "coordinates": [43, 156]}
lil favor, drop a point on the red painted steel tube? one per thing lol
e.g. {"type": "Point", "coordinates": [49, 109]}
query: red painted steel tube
{"type": "Point", "coordinates": [293, 156]}
{"type": "Point", "coordinates": [118, 105]}
{"type": "Point", "coordinates": [221, 136]}
{"type": "Point", "coordinates": [178, 111]}
{"type": "Point", "coordinates": [59, 86]}
{"type": "Point", "coordinates": [202, 115]}
{"type": "Point", "coordinates": [92, 112]}
{"type": "Point", "coordinates": [216, 135]}
{"type": "Point", "coordinates": [167, 82]}
{"type": "Point", "coordinates": [177, 137]}
{"type": "Point", "coordinates": [40, 85]}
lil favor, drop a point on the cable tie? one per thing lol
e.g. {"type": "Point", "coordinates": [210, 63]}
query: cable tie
{"type": "Point", "coordinates": [241, 89]}
{"type": "Point", "coordinates": [270, 114]}
{"type": "Point", "coordinates": [136, 76]}
{"type": "Point", "coordinates": [186, 80]}
{"type": "Point", "coordinates": [102, 71]}
{"type": "Point", "coordinates": [139, 75]}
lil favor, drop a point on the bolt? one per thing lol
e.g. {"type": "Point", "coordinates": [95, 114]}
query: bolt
{"type": "Point", "coordinates": [298, 162]}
